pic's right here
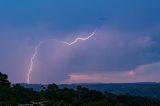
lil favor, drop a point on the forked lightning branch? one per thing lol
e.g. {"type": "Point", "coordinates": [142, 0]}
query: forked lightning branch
{"type": "Point", "coordinates": [36, 49]}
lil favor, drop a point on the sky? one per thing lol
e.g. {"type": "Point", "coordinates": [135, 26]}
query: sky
{"type": "Point", "coordinates": [125, 47]}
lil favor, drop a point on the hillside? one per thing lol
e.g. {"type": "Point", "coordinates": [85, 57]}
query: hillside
{"type": "Point", "coordinates": [54, 95]}
{"type": "Point", "coordinates": [145, 89]}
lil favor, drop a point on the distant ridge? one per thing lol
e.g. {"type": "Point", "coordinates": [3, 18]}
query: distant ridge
{"type": "Point", "coordinates": [145, 89]}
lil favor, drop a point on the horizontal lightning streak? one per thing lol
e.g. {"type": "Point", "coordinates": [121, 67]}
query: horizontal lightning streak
{"type": "Point", "coordinates": [79, 38]}
{"type": "Point", "coordinates": [42, 42]}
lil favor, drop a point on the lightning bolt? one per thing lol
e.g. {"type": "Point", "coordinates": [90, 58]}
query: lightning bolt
{"type": "Point", "coordinates": [79, 38]}
{"type": "Point", "coordinates": [34, 56]}
{"type": "Point", "coordinates": [32, 61]}
{"type": "Point", "coordinates": [42, 42]}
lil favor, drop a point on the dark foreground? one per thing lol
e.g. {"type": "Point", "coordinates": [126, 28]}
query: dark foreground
{"type": "Point", "coordinates": [52, 95]}
{"type": "Point", "coordinates": [144, 89]}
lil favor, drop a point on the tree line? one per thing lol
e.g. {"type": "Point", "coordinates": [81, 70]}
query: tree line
{"type": "Point", "coordinates": [52, 95]}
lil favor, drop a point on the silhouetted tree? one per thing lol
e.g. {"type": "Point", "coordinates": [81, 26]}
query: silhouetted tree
{"type": "Point", "coordinates": [4, 80]}
{"type": "Point", "coordinates": [53, 96]}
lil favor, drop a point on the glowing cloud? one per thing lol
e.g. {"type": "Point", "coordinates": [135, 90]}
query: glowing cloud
{"type": "Point", "coordinates": [42, 42]}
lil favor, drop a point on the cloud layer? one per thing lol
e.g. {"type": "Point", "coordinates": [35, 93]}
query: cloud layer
{"type": "Point", "coordinates": [110, 53]}
{"type": "Point", "coordinates": [124, 49]}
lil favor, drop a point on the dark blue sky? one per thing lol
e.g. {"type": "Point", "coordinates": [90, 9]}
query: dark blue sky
{"type": "Point", "coordinates": [124, 49]}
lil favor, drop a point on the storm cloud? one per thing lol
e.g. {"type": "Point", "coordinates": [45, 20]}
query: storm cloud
{"type": "Point", "coordinates": [127, 39]}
